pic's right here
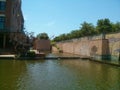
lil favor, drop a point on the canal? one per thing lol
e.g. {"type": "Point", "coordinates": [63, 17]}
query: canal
{"type": "Point", "coordinates": [58, 75]}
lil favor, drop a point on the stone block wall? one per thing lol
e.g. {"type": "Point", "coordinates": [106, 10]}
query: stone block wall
{"type": "Point", "coordinates": [114, 42]}
{"type": "Point", "coordinates": [84, 48]}
{"type": "Point", "coordinates": [93, 46]}
{"type": "Point", "coordinates": [114, 45]}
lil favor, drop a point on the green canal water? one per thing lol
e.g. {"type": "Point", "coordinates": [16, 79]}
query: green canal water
{"type": "Point", "coordinates": [58, 75]}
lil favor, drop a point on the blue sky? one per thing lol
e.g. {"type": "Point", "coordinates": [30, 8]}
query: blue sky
{"type": "Point", "coordinates": [56, 17]}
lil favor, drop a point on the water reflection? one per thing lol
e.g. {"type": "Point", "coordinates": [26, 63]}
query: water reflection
{"type": "Point", "coordinates": [9, 72]}
{"type": "Point", "coordinates": [58, 75]}
{"type": "Point", "coordinates": [95, 76]}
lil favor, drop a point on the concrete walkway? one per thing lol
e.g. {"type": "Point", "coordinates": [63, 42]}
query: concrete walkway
{"type": "Point", "coordinates": [7, 56]}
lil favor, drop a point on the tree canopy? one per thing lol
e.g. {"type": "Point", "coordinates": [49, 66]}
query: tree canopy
{"type": "Point", "coordinates": [88, 29]}
{"type": "Point", "coordinates": [104, 26]}
{"type": "Point", "coordinates": [43, 36]}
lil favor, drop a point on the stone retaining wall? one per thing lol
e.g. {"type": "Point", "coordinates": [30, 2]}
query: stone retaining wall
{"type": "Point", "coordinates": [101, 47]}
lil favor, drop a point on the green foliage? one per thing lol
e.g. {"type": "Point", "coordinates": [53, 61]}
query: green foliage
{"type": "Point", "coordinates": [87, 29]}
{"type": "Point", "coordinates": [75, 34]}
{"type": "Point", "coordinates": [53, 43]}
{"type": "Point", "coordinates": [31, 54]}
{"type": "Point", "coordinates": [104, 26]}
{"type": "Point", "coordinates": [116, 27]}
{"type": "Point", "coordinates": [43, 36]}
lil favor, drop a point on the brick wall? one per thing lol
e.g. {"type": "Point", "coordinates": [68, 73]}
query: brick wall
{"type": "Point", "coordinates": [42, 45]}
{"type": "Point", "coordinates": [114, 44]}
{"type": "Point", "coordinates": [84, 48]}
{"type": "Point", "coordinates": [93, 46]}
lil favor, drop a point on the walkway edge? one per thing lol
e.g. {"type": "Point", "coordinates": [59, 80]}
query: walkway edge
{"type": "Point", "coordinates": [7, 56]}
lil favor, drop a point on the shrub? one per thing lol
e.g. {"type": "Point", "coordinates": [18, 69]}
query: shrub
{"type": "Point", "coordinates": [31, 54]}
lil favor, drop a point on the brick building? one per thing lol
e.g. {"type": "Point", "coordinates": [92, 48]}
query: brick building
{"type": "Point", "coordinates": [11, 24]}
{"type": "Point", "coordinates": [42, 45]}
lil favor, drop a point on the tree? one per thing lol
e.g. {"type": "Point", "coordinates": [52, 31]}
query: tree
{"type": "Point", "coordinates": [87, 29]}
{"type": "Point", "coordinates": [116, 27]}
{"type": "Point", "coordinates": [104, 26]}
{"type": "Point", "coordinates": [57, 39]}
{"type": "Point", "coordinates": [75, 33]}
{"type": "Point", "coordinates": [43, 36]}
